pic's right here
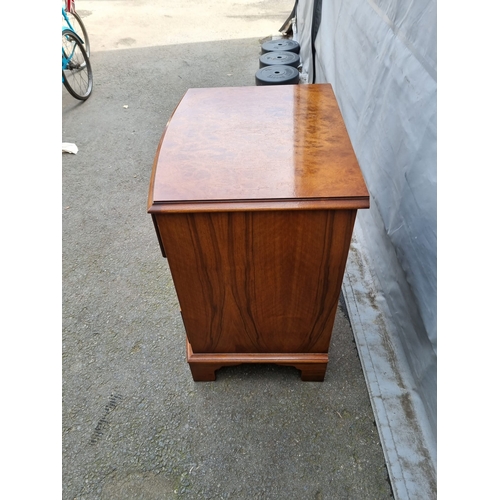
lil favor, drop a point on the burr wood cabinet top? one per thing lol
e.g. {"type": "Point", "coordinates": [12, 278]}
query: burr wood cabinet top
{"type": "Point", "coordinates": [258, 148]}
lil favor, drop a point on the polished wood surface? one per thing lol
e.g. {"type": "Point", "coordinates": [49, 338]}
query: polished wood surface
{"type": "Point", "coordinates": [246, 145]}
{"type": "Point", "coordinates": [253, 195]}
{"type": "Point", "coordinates": [258, 282]}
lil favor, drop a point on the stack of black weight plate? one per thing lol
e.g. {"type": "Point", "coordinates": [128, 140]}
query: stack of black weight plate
{"type": "Point", "coordinates": [278, 63]}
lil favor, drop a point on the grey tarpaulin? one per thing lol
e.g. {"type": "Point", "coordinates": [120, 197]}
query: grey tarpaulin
{"type": "Point", "coordinates": [380, 57]}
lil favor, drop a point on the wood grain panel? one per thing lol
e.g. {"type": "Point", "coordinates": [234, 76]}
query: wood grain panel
{"type": "Point", "coordinates": [257, 281]}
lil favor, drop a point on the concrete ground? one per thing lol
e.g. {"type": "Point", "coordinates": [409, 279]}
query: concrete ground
{"type": "Point", "coordinates": [135, 425]}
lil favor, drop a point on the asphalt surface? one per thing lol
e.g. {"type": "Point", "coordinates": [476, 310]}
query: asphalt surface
{"type": "Point", "coordinates": [135, 425]}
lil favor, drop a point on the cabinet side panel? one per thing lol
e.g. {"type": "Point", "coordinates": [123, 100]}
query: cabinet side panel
{"type": "Point", "coordinates": [258, 281]}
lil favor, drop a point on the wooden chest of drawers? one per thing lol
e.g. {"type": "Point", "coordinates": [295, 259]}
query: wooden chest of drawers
{"type": "Point", "coordinates": [253, 194]}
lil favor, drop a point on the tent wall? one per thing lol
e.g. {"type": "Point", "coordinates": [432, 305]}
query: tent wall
{"type": "Point", "coordinates": [380, 57]}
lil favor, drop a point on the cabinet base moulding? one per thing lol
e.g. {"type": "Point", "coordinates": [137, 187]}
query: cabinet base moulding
{"type": "Point", "coordinates": [204, 365]}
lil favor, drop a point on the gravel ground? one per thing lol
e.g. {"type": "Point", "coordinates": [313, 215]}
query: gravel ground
{"type": "Point", "coordinates": [135, 425]}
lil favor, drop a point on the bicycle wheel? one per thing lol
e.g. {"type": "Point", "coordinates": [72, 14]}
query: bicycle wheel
{"type": "Point", "coordinates": [77, 72]}
{"type": "Point", "coordinates": [79, 28]}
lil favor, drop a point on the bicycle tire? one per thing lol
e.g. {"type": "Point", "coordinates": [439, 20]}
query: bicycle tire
{"type": "Point", "coordinates": [79, 28]}
{"type": "Point", "coordinates": [77, 77]}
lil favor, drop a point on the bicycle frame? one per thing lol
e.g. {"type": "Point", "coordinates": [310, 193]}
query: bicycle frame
{"type": "Point", "coordinates": [70, 25]}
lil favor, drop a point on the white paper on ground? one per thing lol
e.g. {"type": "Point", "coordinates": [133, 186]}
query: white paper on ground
{"type": "Point", "coordinates": [69, 147]}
